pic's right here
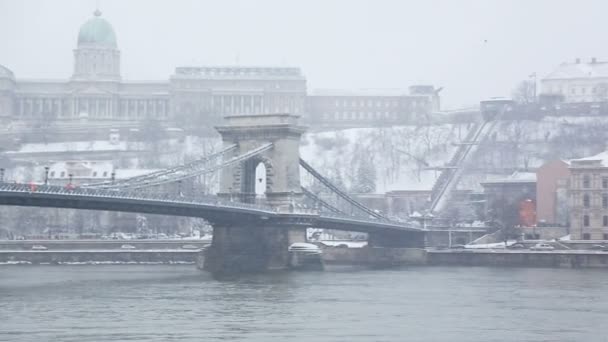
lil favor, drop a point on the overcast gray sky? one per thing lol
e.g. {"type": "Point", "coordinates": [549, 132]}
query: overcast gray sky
{"type": "Point", "coordinates": [474, 49]}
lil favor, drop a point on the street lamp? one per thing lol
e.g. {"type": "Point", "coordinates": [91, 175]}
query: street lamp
{"type": "Point", "coordinates": [46, 175]}
{"type": "Point", "coordinates": [113, 177]}
{"type": "Point", "coordinates": [179, 187]}
{"type": "Point", "coordinates": [1, 175]}
{"type": "Point", "coordinates": [70, 176]}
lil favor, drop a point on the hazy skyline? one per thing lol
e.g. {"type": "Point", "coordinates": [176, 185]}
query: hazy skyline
{"type": "Point", "coordinates": [474, 49]}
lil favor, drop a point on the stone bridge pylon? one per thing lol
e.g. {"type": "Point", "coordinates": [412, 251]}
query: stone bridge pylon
{"type": "Point", "coordinates": [281, 160]}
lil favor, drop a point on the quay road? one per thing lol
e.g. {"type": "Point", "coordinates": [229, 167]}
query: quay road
{"type": "Point", "coordinates": [147, 244]}
{"type": "Point", "coordinates": [101, 251]}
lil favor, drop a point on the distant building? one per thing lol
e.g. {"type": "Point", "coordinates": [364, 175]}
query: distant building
{"type": "Point", "coordinates": [371, 107]}
{"type": "Point", "coordinates": [96, 90]}
{"type": "Point", "coordinates": [506, 198]}
{"type": "Point", "coordinates": [578, 81]}
{"type": "Point", "coordinates": [191, 96]}
{"type": "Point", "coordinates": [89, 171]}
{"type": "Point", "coordinates": [588, 197]}
{"type": "Point", "coordinates": [552, 193]}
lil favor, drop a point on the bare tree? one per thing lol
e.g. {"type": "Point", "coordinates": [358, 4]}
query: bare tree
{"type": "Point", "coordinates": [525, 92]}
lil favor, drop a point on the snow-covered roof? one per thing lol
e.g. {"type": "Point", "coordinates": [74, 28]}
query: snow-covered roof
{"type": "Point", "coordinates": [579, 70]}
{"type": "Point", "coordinates": [600, 158]}
{"type": "Point", "coordinates": [515, 177]}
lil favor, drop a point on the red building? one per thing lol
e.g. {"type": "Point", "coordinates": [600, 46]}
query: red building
{"type": "Point", "coordinates": [551, 193]}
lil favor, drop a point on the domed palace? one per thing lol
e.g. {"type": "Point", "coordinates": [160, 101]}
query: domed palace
{"type": "Point", "coordinates": [96, 94]}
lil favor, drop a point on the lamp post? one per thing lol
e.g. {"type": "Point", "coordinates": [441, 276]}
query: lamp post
{"type": "Point", "coordinates": [113, 177]}
{"type": "Point", "coordinates": [179, 188]}
{"type": "Point", "coordinates": [70, 177]}
{"type": "Point", "coordinates": [1, 175]}
{"type": "Point", "coordinates": [46, 175]}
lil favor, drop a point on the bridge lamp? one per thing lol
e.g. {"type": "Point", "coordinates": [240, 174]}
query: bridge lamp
{"type": "Point", "coordinates": [46, 175]}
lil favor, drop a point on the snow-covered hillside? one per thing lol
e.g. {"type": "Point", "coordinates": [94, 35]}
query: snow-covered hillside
{"type": "Point", "coordinates": [401, 155]}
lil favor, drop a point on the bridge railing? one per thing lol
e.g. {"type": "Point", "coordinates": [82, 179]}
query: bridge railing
{"type": "Point", "coordinates": [144, 196]}
{"type": "Point", "coordinates": [383, 221]}
{"type": "Point", "coordinates": [208, 200]}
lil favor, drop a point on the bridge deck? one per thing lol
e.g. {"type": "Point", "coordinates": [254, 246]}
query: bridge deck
{"type": "Point", "coordinates": [212, 208]}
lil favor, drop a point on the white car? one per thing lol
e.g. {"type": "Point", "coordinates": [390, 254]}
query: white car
{"type": "Point", "coordinates": [542, 247]}
{"type": "Point", "coordinates": [128, 247]}
{"type": "Point", "coordinates": [190, 247]}
{"type": "Point", "coordinates": [39, 248]}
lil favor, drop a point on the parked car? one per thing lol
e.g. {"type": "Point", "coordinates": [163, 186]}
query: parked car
{"type": "Point", "coordinates": [128, 247]}
{"type": "Point", "coordinates": [190, 247]}
{"type": "Point", "coordinates": [517, 246]}
{"type": "Point", "coordinates": [542, 247]}
{"type": "Point", "coordinates": [39, 248]}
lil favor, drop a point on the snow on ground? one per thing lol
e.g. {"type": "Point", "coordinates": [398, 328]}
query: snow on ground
{"type": "Point", "coordinates": [491, 245]}
{"type": "Point", "coordinates": [401, 155]}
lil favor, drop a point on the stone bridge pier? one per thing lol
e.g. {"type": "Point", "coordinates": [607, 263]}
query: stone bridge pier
{"type": "Point", "coordinates": [247, 248]}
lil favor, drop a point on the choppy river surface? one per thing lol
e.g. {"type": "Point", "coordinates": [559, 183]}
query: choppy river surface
{"type": "Point", "coordinates": [180, 303]}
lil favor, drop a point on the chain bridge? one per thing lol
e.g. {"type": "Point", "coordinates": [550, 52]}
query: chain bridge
{"type": "Point", "coordinates": [247, 235]}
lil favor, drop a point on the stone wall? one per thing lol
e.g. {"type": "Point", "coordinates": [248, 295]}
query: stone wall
{"type": "Point", "coordinates": [497, 258]}
{"type": "Point", "coordinates": [370, 256]}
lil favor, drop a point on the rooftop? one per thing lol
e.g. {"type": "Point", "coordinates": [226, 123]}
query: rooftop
{"type": "Point", "coordinates": [578, 69]}
{"type": "Point", "coordinates": [97, 31]}
{"type": "Point", "coordinates": [516, 177]}
{"type": "Point", "coordinates": [598, 160]}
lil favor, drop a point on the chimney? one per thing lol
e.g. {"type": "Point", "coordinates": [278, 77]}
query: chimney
{"type": "Point", "coordinates": [593, 60]}
{"type": "Point", "coordinates": [578, 61]}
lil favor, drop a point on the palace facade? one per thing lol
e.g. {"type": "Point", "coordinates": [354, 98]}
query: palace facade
{"type": "Point", "coordinates": [97, 93]}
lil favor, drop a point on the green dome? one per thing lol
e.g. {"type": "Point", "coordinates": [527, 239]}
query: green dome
{"type": "Point", "coordinates": [97, 31]}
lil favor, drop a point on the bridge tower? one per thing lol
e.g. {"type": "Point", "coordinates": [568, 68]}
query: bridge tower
{"type": "Point", "coordinates": [281, 160]}
{"type": "Point", "coordinates": [258, 245]}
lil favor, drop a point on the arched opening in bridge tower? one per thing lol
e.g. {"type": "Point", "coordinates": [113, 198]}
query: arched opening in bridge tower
{"type": "Point", "coordinates": [254, 181]}
{"type": "Point", "coordinates": [260, 184]}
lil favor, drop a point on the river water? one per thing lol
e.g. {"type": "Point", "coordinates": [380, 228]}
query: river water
{"type": "Point", "coordinates": [180, 303]}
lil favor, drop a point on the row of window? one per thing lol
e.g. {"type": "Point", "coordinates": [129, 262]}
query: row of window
{"type": "Point", "coordinates": [587, 236]}
{"type": "Point", "coordinates": [587, 182]}
{"type": "Point", "coordinates": [587, 201]}
{"type": "Point", "coordinates": [372, 103]}
{"type": "Point", "coordinates": [574, 91]}
{"type": "Point", "coordinates": [586, 221]}
{"type": "Point", "coordinates": [363, 115]}
{"type": "Point", "coordinates": [63, 173]}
